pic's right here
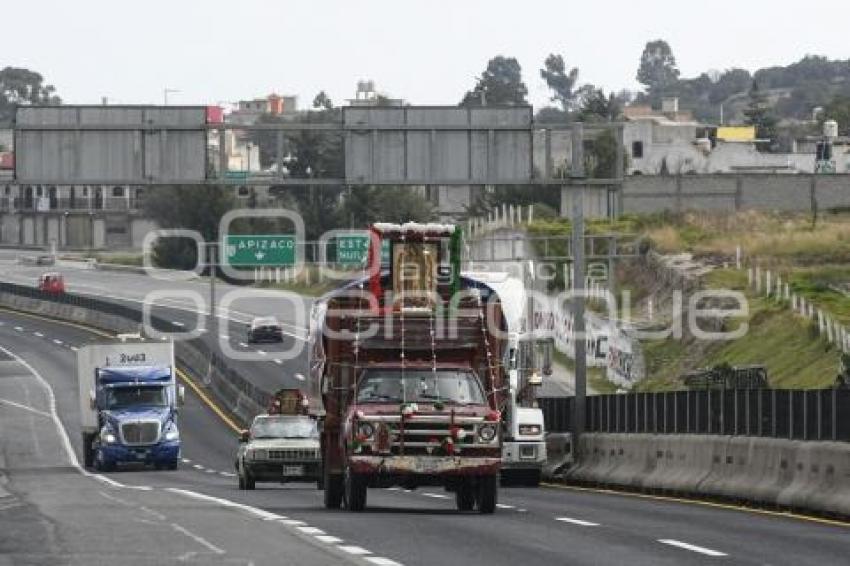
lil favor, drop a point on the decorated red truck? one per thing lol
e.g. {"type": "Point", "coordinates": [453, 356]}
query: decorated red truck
{"type": "Point", "coordinates": [408, 363]}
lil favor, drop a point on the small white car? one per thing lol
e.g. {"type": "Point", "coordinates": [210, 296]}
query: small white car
{"type": "Point", "coordinates": [279, 448]}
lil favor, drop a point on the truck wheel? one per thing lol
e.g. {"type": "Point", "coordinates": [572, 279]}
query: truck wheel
{"type": "Point", "coordinates": [100, 463]}
{"type": "Point", "coordinates": [88, 451]}
{"type": "Point", "coordinates": [333, 490]}
{"type": "Point", "coordinates": [487, 496]}
{"type": "Point", "coordinates": [355, 491]}
{"type": "Point", "coordinates": [250, 482]}
{"type": "Point", "coordinates": [465, 497]}
{"type": "Point", "coordinates": [172, 465]}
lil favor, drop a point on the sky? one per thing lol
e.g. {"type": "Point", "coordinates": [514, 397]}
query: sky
{"type": "Point", "coordinates": [425, 51]}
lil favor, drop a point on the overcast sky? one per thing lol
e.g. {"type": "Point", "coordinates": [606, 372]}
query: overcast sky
{"type": "Point", "coordinates": [426, 51]}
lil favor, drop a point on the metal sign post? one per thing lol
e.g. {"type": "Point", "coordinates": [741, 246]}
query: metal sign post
{"type": "Point", "coordinates": [577, 174]}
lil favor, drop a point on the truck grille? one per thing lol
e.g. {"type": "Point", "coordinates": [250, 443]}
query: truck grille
{"type": "Point", "coordinates": [142, 432]}
{"type": "Point", "coordinates": [294, 454]}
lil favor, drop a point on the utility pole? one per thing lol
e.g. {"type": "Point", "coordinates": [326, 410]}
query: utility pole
{"type": "Point", "coordinates": [577, 175]}
{"type": "Point", "coordinates": [166, 92]}
{"type": "Point", "coordinates": [212, 262]}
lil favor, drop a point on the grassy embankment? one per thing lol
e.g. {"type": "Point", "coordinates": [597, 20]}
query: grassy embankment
{"type": "Point", "coordinates": [814, 258]}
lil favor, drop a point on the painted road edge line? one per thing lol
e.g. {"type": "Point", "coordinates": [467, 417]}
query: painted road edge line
{"type": "Point", "coordinates": [579, 522]}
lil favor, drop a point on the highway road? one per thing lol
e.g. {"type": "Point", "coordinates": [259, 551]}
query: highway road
{"type": "Point", "coordinates": [51, 512]}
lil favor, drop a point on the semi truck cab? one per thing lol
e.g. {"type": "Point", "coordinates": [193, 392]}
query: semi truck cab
{"type": "Point", "coordinates": [129, 404]}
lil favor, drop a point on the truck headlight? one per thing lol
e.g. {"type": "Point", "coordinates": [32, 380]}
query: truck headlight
{"type": "Point", "coordinates": [487, 432]}
{"type": "Point", "coordinates": [530, 429]}
{"type": "Point", "coordinates": [109, 438]}
{"type": "Point", "coordinates": [172, 434]}
{"type": "Point", "coordinates": [365, 430]}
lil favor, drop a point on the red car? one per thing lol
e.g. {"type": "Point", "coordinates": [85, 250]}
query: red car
{"type": "Point", "coordinates": [52, 283]}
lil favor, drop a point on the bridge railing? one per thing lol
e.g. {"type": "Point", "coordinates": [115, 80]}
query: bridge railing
{"type": "Point", "coordinates": [797, 414]}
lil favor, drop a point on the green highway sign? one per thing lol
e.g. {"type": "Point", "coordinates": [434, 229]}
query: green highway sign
{"type": "Point", "coordinates": [352, 250]}
{"type": "Point", "coordinates": [253, 250]}
{"type": "Point", "coordinates": [236, 175]}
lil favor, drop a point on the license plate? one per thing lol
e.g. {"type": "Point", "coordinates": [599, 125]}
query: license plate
{"type": "Point", "coordinates": [293, 470]}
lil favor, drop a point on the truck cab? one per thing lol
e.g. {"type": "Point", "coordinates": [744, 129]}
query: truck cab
{"type": "Point", "coordinates": [129, 403]}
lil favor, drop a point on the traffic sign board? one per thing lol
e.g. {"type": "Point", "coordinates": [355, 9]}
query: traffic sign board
{"type": "Point", "coordinates": [256, 250]}
{"type": "Point", "coordinates": [353, 249]}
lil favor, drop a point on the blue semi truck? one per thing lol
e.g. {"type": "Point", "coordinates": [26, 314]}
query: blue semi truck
{"type": "Point", "coordinates": [129, 402]}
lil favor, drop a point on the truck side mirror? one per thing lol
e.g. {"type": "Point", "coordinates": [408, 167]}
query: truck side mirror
{"type": "Point", "coordinates": [245, 436]}
{"type": "Point", "coordinates": [513, 380]}
{"type": "Point", "coordinates": [181, 395]}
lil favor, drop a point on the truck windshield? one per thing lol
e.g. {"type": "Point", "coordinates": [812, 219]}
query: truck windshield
{"type": "Point", "coordinates": [425, 385]}
{"type": "Point", "coordinates": [133, 396]}
{"type": "Point", "coordinates": [284, 427]}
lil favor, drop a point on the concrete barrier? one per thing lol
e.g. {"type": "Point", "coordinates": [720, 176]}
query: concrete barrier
{"type": "Point", "coordinates": [788, 474]}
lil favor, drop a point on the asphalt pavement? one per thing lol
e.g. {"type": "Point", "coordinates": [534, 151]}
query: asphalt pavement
{"type": "Point", "coordinates": [52, 513]}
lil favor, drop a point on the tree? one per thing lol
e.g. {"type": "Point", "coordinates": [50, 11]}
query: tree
{"type": "Point", "coordinates": [365, 205]}
{"type": "Point", "coordinates": [322, 101]}
{"type": "Point", "coordinates": [759, 114]}
{"type": "Point", "coordinates": [190, 208]}
{"type": "Point", "coordinates": [500, 83]}
{"type": "Point", "coordinates": [561, 82]}
{"type": "Point", "coordinates": [658, 70]}
{"type": "Point", "coordinates": [838, 109]}
{"type": "Point", "coordinates": [22, 86]}
{"type": "Point", "coordinates": [596, 106]}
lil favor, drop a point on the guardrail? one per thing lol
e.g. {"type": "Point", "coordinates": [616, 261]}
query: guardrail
{"type": "Point", "coordinates": [229, 386]}
{"type": "Point", "coordinates": [795, 414]}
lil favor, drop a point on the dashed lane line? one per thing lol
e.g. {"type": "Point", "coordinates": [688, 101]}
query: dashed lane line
{"type": "Point", "coordinates": [329, 539]}
{"type": "Point", "coordinates": [692, 547]}
{"type": "Point", "coordinates": [355, 550]}
{"type": "Point", "coordinates": [580, 522]}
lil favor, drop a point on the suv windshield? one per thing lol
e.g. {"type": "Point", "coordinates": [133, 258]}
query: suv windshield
{"type": "Point", "coordinates": [133, 396]}
{"type": "Point", "coordinates": [425, 385]}
{"type": "Point", "coordinates": [284, 427]}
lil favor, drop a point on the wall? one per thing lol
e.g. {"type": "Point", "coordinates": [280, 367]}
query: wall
{"type": "Point", "coordinates": [800, 193]}
{"type": "Point", "coordinates": [788, 474]}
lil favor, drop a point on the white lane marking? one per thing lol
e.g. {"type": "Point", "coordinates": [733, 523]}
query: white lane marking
{"type": "Point", "coordinates": [228, 474]}
{"type": "Point", "coordinates": [504, 506]}
{"type": "Point", "coordinates": [381, 561]}
{"type": "Point", "coordinates": [224, 336]}
{"type": "Point", "coordinates": [243, 345]}
{"type": "Point", "coordinates": [24, 407]}
{"type": "Point", "coordinates": [176, 323]}
{"type": "Point", "coordinates": [692, 547]}
{"type": "Point", "coordinates": [197, 466]}
{"type": "Point", "coordinates": [199, 539]}
{"type": "Point", "coordinates": [39, 334]}
{"type": "Point", "coordinates": [328, 539]}
{"type": "Point", "coordinates": [186, 460]}
{"type": "Point", "coordinates": [210, 471]}
{"type": "Point", "coordinates": [257, 512]}
{"type": "Point", "coordinates": [262, 352]}
{"type": "Point", "coordinates": [579, 522]}
{"type": "Point", "coordinates": [19, 329]}
{"type": "Point", "coordinates": [294, 523]}
{"type": "Point", "coordinates": [153, 513]}
{"type": "Point", "coordinates": [311, 530]}
{"type": "Point", "coordinates": [74, 348]}
{"type": "Point", "coordinates": [60, 428]}
{"type": "Point", "coordinates": [278, 362]}
{"type": "Point", "coordinates": [57, 342]}
{"type": "Point", "coordinates": [436, 495]}
{"type": "Point", "coordinates": [355, 550]}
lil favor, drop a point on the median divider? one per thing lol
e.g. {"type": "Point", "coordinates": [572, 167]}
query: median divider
{"type": "Point", "coordinates": [795, 475]}
{"type": "Point", "coordinates": [228, 387]}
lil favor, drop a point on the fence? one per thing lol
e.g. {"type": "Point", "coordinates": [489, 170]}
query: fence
{"type": "Point", "coordinates": [811, 414]}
